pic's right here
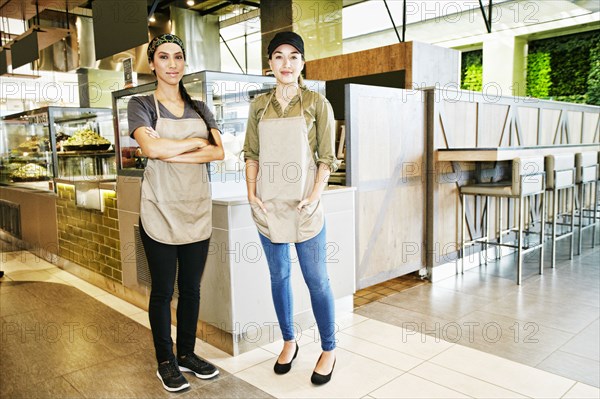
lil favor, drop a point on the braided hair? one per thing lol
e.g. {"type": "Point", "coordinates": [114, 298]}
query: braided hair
{"type": "Point", "coordinates": [188, 99]}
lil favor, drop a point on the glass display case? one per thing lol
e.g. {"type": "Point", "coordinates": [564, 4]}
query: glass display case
{"type": "Point", "coordinates": [41, 145]}
{"type": "Point", "coordinates": [228, 96]}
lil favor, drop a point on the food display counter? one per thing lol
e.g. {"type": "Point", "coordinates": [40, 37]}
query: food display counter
{"type": "Point", "coordinates": [40, 145]}
{"type": "Point", "coordinates": [56, 165]}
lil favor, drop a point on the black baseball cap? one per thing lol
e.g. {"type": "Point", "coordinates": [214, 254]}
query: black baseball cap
{"type": "Point", "coordinates": [291, 38]}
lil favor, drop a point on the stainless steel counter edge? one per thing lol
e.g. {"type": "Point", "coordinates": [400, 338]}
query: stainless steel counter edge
{"type": "Point", "coordinates": [244, 200]}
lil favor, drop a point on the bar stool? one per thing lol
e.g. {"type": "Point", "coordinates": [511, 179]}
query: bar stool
{"type": "Point", "coordinates": [586, 165]}
{"type": "Point", "coordinates": [527, 181]}
{"type": "Point", "coordinates": [560, 177]}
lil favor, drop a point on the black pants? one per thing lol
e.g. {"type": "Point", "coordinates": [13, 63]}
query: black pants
{"type": "Point", "coordinates": [162, 261]}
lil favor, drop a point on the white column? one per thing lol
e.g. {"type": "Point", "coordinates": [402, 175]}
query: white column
{"type": "Point", "coordinates": [504, 68]}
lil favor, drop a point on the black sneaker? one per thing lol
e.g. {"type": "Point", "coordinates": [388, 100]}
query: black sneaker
{"type": "Point", "coordinates": [201, 368]}
{"type": "Point", "coordinates": [170, 376]}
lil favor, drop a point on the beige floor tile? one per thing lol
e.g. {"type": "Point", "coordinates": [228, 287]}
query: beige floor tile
{"type": "Point", "coordinates": [510, 375]}
{"type": "Point", "coordinates": [235, 364]}
{"type": "Point", "coordinates": [582, 391]}
{"type": "Point", "coordinates": [35, 275]}
{"type": "Point", "coordinates": [462, 383]}
{"type": "Point", "coordinates": [348, 320]}
{"type": "Point", "coordinates": [62, 274]}
{"type": "Point", "coordinates": [276, 346]}
{"type": "Point", "coordinates": [413, 387]}
{"type": "Point", "coordinates": [408, 342]}
{"type": "Point", "coordinates": [141, 317]}
{"type": "Point", "coordinates": [354, 376]}
{"type": "Point", "coordinates": [378, 353]}
{"type": "Point", "coordinates": [118, 304]}
{"type": "Point", "coordinates": [86, 287]}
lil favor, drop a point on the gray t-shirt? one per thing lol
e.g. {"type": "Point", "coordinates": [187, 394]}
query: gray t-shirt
{"type": "Point", "coordinates": [141, 111]}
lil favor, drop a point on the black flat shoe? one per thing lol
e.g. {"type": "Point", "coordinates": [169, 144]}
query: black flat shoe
{"type": "Point", "coordinates": [284, 368]}
{"type": "Point", "coordinates": [320, 379]}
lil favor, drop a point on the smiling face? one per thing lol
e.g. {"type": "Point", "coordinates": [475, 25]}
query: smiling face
{"type": "Point", "coordinates": [168, 63]}
{"type": "Point", "coordinates": [286, 63]}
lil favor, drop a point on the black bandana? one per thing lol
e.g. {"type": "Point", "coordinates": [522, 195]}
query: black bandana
{"type": "Point", "coordinates": [162, 39]}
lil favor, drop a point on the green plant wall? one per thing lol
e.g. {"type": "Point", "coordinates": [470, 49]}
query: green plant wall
{"type": "Point", "coordinates": [565, 68]}
{"type": "Point", "coordinates": [472, 70]}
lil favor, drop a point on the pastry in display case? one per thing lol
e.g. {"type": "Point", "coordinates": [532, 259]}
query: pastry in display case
{"type": "Point", "coordinates": [56, 142]}
{"type": "Point", "coordinates": [227, 95]}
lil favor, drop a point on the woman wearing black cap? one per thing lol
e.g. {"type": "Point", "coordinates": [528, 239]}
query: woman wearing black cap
{"type": "Point", "coordinates": [179, 136]}
{"type": "Point", "coordinates": [289, 144]}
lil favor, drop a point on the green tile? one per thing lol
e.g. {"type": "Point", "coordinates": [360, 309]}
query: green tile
{"type": "Point", "coordinates": [103, 230]}
{"type": "Point", "coordinates": [104, 250]}
{"type": "Point", "coordinates": [118, 275]}
{"type": "Point", "coordinates": [113, 213]}
{"type": "Point", "coordinates": [114, 234]}
{"type": "Point", "coordinates": [111, 223]}
{"type": "Point", "coordinates": [114, 263]}
{"type": "Point", "coordinates": [106, 271]}
{"type": "Point", "coordinates": [91, 226]}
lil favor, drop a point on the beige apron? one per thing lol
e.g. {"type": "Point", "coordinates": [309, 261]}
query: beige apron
{"type": "Point", "coordinates": [287, 175]}
{"type": "Point", "coordinates": [176, 206]}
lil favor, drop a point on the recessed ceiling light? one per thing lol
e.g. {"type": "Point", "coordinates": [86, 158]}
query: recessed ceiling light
{"type": "Point", "coordinates": [190, 3]}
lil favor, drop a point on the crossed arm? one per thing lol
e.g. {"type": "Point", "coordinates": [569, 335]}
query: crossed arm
{"type": "Point", "coordinates": [190, 150]}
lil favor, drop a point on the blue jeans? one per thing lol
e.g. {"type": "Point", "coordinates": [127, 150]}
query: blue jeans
{"type": "Point", "coordinates": [311, 255]}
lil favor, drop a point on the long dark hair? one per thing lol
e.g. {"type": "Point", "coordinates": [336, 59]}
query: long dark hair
{"type": "Point", "coordinates": [186, 98]}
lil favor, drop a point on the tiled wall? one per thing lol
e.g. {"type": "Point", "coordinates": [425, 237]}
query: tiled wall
{"type": "Point", "coordinates": [87, 237]}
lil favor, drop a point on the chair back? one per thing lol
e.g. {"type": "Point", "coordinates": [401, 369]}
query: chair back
{"type": "Point", "coordinates": [528, 175]}
{"type": "Point", "coordinates": [560, 171]}
{"type": "Point", "coordinates": [586, 164]}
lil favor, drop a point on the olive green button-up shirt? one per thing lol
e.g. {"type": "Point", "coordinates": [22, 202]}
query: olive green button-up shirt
{"type": "Point", "coordinates": [319, 119]}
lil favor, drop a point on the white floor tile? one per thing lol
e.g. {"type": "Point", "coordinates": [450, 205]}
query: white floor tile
{"type": "Point", "coordinates": [462, 383]}
{"type": "Point", "coordinates": [413, 387]}
{"type": "Point", "coordinates": [353, 377]}
{"type": "Point", "coordinates": [377, 352]}
{"type": "Point", "coordinates": [582, 391]}
{"type": "Point", "coordinates": [409, 342]}
{"type": "Point", "coordinates": [514, 376]}
{"type": "Point", "coordinates": [118, 304]}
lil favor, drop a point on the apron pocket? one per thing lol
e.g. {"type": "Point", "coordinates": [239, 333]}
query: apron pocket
{"type": "Point", "coordinates": [259, 216]}
{"type": "Point", "coordinates": [310, 220]}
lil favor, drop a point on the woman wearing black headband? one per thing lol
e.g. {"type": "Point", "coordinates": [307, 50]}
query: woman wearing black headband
{"type": "Point", "coordinates": [180, 137]}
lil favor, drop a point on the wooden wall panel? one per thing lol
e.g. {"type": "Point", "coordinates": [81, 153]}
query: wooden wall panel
{"type": "Point", "coordinates": [528, 119]}
{"type": "Point", "coordinates": [459, 120]}
{"type": "Point", "coordinates": [575, 123]}
{"type": "Point", "coordinates": [491, 124]}
{"type": "Point", "coordinates": [549, 119]}
{"type": "Point", "coordinates": [386, 156]}
{"type": "Point", "coordinates": [395, 57]}
{"type": "Point", "coordinates": [591, 127]}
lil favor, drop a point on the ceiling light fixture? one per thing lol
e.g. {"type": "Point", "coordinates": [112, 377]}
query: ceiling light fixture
{"type": "Point", "coordinates": [190, 3]}
{"type": "Point", "coordinates": [152, 19]}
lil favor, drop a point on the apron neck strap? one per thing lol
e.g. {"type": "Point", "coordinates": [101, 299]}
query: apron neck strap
{"type": "Point", "coordinates": [269, 103]}
{"type": "Point", "coordinates": [156, 104]}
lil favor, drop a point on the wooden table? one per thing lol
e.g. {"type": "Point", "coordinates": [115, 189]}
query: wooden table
{"type": "Point", "coordinates": [509, 153]}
